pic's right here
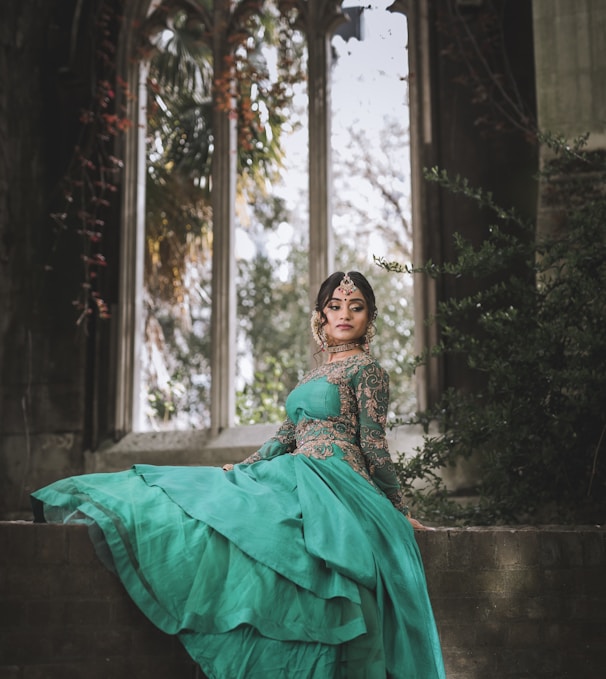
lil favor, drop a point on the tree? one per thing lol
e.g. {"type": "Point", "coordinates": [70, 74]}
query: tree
{"type": "Point", "coordinates": [372, 189]}
{"type": "Point", "coordinates": [274, 314]}
{"type": "Point", "coordinates": [534, 333]}
{"type": "Point", "coordinates": [180, 135]}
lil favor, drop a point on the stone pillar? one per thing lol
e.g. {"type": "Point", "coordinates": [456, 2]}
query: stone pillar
{"type": "Point", "coordinates": [317, 19]}
{"type": "Point", "coordinates": [129, 334]}
{"type": "Point", "coordinates": [223, 194]}
{"type": "Point", "coordinates": [425, 202]}
{"type": "Point", "coordinates": [570, 65]}
{"type": "Point", "coordinates": [321, 18]}
{"type": "Point", "coordinates": [125, 366]}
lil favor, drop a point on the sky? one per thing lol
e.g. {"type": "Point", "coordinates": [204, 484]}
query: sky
{"type": "Point", "coordinates": [369, 74]}
{"type": "Point", "coordinates": [368, 82]}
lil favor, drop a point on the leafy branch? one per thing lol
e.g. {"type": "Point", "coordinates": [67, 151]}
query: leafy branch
{"type": "Point", "coordinates": [533, 424]}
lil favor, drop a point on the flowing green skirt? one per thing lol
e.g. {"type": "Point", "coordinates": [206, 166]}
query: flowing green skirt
{"type": "Point", "coordinates": [291, 568]}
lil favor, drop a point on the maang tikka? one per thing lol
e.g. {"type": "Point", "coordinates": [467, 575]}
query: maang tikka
{"type": "Point", "coordinates": [346, 286]}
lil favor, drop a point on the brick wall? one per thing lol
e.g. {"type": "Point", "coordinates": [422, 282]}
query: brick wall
{"type": "Point", "coordinates": [512, 604]}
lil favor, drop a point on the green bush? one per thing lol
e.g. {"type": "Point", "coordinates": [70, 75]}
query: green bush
{"type": "Point", "coordinates": [535, 337]}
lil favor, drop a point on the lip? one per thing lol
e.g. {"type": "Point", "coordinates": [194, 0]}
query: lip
{"type": "Point", "coordinates": [344, 326]}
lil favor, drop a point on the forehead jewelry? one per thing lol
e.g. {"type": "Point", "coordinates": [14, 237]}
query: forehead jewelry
{"type": "Point", "coordinates": [346, 286]}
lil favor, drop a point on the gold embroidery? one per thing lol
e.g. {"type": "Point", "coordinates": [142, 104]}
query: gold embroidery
{"type": "Point", "coordinates": [318, 438]}
{"type": "Point", "coordinates": [356, 434]}
{"type": "Point", "coordinates": [282, 442]}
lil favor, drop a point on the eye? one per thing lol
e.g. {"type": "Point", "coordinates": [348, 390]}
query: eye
{"type": "Point", "coordinates": [334, 307]}
{"type": "Point", "coordinates": [357, 308]}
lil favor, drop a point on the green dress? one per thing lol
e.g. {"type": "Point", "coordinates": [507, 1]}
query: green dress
{"type": "Point", "coordinates": [298, 564]}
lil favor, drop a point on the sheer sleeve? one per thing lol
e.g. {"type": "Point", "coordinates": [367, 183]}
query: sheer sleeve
{"type": "Point", "coordinates": [282, 442]}
{"type": "Point", "coordinates": [372, 394]}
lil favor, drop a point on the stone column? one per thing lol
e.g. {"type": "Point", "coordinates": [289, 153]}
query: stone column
{"type": "Point", "coordinates": [223, 196]}
{"type": "Point", "coordinates": [322, 17]}
{"type": "Point", "coordinates": [318, 19]}
{"type": "Point", "coordinates": [425, 202]}
{"type": "Point", "coordinates": [128, 336]}
{"type": "Point", "coordinates": [570, 65]}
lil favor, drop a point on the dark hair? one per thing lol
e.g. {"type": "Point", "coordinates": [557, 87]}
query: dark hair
{"type": "Point", "coordinates": [332, 282]}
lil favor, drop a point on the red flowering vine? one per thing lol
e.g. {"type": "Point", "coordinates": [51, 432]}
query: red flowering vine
{"type": "Point", "coordinates": [91, 181]}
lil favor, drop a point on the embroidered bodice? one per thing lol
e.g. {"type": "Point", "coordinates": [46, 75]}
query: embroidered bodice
{"type": "Point", "coordinates": [340, 409]}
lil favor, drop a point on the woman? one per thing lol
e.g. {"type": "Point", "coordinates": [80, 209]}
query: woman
{"type": "Point", "coordinates": [298, 563]}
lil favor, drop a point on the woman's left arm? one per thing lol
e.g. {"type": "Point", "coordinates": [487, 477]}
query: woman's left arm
{"type": "Point", "coordinates": [372, 394]}
{"type": "Point", "coordinates": [281, 443]}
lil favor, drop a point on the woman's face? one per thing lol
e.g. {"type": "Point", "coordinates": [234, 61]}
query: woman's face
{"type": "Point", "coordinates": [347, 317]}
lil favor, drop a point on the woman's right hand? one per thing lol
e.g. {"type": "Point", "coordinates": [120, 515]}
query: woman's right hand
{"type": "Point", "coordinates": [417, 525]}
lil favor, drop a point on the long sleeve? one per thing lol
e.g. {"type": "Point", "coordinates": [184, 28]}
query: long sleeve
{"type": "Point", "coordinates": [282, 442]}
{"type": "Point", "coordinates": [372, 394]}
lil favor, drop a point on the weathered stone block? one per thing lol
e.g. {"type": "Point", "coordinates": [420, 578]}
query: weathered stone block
{"type": "Point", "coordinates": [594, 549]}
{"type": "Point", "coordinates": [560, 549]}
{"type": "Point", "coordinates": [47, 612]}
{"type": "Point", "coordinates": [80, 549]}
{"type": "Point", "coordinates": [523, 633]}
{"type": "Point", "coordinates": [51, 544]}
{"type": "Point", "coordinates": [12, 613]}
{"type": "Point", "coordinates": [88, 612]}
{"type": "Point", "coordinates": [458, 635]}
{"type": "Point", "coordinates": [521, 582]}
{"type": "Point", "coordinates": [14, 550]}
{"type": "Point", "coordinates": [113, 642]}
{"type": "Point", "coordinates": [528, 547]}
{"type": "Point", "coordinates": [493, 634]}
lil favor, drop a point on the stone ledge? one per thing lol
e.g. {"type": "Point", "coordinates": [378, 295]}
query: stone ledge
{"type": "Point", "coordinates": [510, 603]}
{"type": "Point", "coordinates": [178, 448]}
{"type": "Point", "coordinates": [198, 448]}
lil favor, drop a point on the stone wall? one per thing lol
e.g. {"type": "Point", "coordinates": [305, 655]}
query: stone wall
{"type": "Point", "coordinates": [519, 602]}
{"type": "Point", "coordinates": [42, 352]}
{"type": "Point", "coordinates": [509, 603]}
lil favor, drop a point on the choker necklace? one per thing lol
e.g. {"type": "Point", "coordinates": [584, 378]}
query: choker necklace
{"type": "Point", "coordinates": [338, 348]}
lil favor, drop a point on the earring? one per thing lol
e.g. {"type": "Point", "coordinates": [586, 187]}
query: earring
{"type": "Point", "coordinates": [317, 330]}
{"type": "Point", "coordinates": [371, 331]}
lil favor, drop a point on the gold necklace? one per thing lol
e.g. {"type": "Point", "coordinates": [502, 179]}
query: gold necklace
{"type": "Point", "coordinates": [338, 348]}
